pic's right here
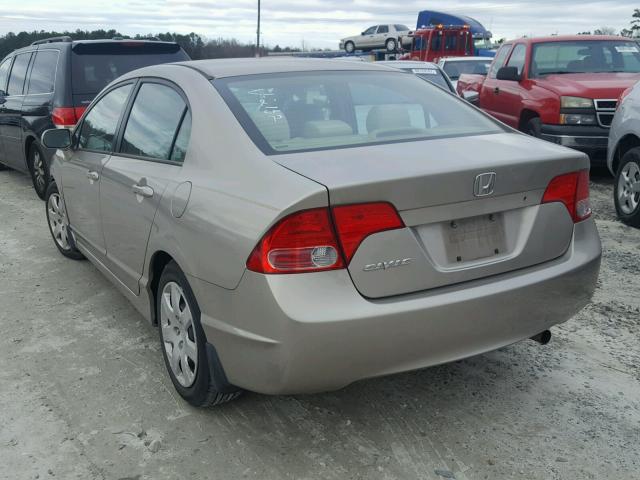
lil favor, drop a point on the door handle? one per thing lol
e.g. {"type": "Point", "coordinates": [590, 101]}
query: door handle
{"type": "Point", "coordinates": [93, 176]}
{"type": "Point", "coordinates": [143, 190]}
{"type": "Point", "coordinates": [496, 90]}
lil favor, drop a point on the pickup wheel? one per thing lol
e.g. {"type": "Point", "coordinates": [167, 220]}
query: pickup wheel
{"type": "Point", "coordinates": [626, 193]}
{"type": "Point", "coordinates": [533, 127]}
{"type": "Point", "coordinates": [391, 45]}
{"type": "Point", "coordinates": [349, 47]}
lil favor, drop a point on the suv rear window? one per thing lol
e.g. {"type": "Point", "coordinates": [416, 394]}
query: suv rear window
{"type": "Point", "coordinates": [94, 65]}
{"type": "Point", "coordinates": [296, 112]}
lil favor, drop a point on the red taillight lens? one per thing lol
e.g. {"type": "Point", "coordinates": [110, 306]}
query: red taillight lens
{"type": "Point", "coordinates": [572, 189]}
{"type": "Point", "coordinates": [308, 242]}
{"type": "Point", "coordinates": [302, 242]}
{"type": "Point", "coordinates": [356, 222]}
{"type": "Point", "coordinates": [66, 116]}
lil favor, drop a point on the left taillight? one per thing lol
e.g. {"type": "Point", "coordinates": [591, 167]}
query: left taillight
{"type": "Point", "coordinates": [66, 117]}
{"type": "Point", "coordinates": [320, 239]}
{"type": "Point", "coordinates": [571, 189]}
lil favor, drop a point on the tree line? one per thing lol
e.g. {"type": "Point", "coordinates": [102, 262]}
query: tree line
{"type": "Point", "coordinates": [196, 46]}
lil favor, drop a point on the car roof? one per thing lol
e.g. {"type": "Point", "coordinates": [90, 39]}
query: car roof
{"type": "Point", "coordinates": [403, 64]}
{"type": "Point", "coordinates": [466, 59]}
{"type": "Point", "coordinates": [233, 67]}
{"type": "Point", "coordinates": [569, 38]}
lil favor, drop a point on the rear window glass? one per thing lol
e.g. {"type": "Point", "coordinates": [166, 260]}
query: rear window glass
{"type": "Point", "coordinates": [325, 110]}
{"type": "Point", "coordinates": [455, 69]}
{"type": "Point", "coordinates": [43, 72]}
{"type": "Point", "coordinates": [430, 74]}
{"type": "Point", "coordinates": [96, 65]}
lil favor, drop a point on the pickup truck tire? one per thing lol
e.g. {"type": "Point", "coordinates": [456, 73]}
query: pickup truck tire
{"type": "Point", "coordinates": [349, 47]}
{"type": "Point", "coordinates": [626, 191]}
{"type": "Point", "coordinates": [533, 127]}
{"type": "Point", "coordinates": [391, 45]}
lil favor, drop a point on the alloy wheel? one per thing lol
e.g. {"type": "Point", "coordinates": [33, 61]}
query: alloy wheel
{"type": "Point", "coordinates": [629, 188]}
{"type": "Point", "coordinates": [38, 171]}
{"type": "Point", "coordinates": [179, 334]}
{"type": "Point", "coordinates": [58, 222]}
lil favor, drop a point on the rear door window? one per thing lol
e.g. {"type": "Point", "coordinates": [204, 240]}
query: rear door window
{"type": "Point", "coordinates": [153, 123]}
{"type": "Point", "coordinates": [4, 74]}
{"type": "Point", "coordinates": [179, 150]}
{"type": "Point", "coordinates": [18, 74]}
{"type": "Point", "coordinates": [94, 65]}
{"type": "Point", "coordinates": [43, 73]}
{"type": "Point", "coordinates": [99, 126]}
{"type": "Point", "coordinates": [383, 29]}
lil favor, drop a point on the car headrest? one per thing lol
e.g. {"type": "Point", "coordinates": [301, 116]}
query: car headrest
{"type": "Point", "coordinates": [272, 124]}
{"type": "Point", "coordinates": [384, 117]}
{"type": "Point", "coordinates": [326, 128]}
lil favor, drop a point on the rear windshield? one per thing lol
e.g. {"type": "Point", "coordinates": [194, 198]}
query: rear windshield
{"type": "Point", "coordinates": [455, 69]}
{"type": "Point", "coordinates": [96, 65]}
{"type": "Point", "coordinates": [296, 112]}
{"type": "Point", "coordinates": [430, 74]}
{"type": "Point", "coordinates": [586, 56]}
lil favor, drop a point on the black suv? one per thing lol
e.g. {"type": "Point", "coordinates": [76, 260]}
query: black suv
{"type": "Point", "coordinates": [51, 82]}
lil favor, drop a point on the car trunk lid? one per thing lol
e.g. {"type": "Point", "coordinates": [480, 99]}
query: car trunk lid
{"type": "Point", "coordinates": [456, 230]}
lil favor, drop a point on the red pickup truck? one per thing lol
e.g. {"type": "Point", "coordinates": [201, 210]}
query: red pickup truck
{"type": "Point", "coordinates": [561, 89]}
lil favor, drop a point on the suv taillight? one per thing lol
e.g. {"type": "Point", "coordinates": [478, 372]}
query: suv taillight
{"type": "Point", "coordinates": [571, 189]}
{"type": "Point", "coordinates": [66, 117]}
{"type": "Point", "coordinates": [320, 239]}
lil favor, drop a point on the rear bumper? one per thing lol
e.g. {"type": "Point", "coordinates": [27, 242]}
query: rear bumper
{"type": "Point", "coordinates": [286, 334]}
{"type": "Point", "coordinates": [591, 140]}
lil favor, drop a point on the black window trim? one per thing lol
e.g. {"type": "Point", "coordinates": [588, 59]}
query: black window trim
{"type": "Point", "coordinates": [513, 50]}
{"type": "Point", "coordinates": [127, 112]}
{"type": "Point", "coordinates": [10, 60]}
{"type": "Point", "coordinates": [78, 127]}
{"type": "Point", "coordinates": [25, 91]}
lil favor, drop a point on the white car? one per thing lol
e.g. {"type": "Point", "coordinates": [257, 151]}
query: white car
{"type": "Point", "coordinates": [377, 36]}
{"type": "Point", "coordinates": [456, 66]}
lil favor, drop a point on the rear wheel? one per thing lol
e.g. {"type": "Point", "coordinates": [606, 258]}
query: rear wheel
{"type": "Point", "coordinates": [533, 127]}
{"type": "Point", "coordinates": [59, 224]}
{"type": "Point", "coordinates": [626, 194]}
{"type": "Point", "coordinates": [39, 168]}
{"type": "Point", "coordinates": [183, 342]}
{"type": "Point", "coordinates": [3, 167]}
{"type": "Point", "coordinates": [391, 45]}
{"type": "Point", "coordinates": [349, 47]}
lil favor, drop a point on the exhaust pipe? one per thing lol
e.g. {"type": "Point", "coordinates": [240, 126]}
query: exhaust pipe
{"type": "Point", "coordinates": [542, 338]}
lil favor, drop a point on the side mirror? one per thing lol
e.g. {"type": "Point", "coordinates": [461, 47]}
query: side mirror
{"type": "Point", "coordinates": [472, 97]}
{"type": "Point", "coordinates": [57, 138]}
{"type": "Point", "coordinates": [508, 73]}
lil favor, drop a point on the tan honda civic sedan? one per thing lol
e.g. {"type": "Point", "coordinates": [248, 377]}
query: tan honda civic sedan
{"type": "Point", "coordinates": [293, 226]}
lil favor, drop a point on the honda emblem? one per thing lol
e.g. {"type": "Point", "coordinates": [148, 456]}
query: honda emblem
{"type": "Point", "coordinates": [484, 184]}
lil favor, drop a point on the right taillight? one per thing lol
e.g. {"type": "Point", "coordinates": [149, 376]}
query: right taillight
{"type": "Point", "coordinates": [571, 189]}
{"type": "Point", "coordinates": [320, 239]}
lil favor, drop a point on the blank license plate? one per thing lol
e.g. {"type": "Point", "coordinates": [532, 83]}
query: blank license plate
{"type": "Point", "coordinates": [476, 238]}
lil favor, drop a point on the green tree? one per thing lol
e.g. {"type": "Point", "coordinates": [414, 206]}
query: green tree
{"type": "Point", "coordinates": [634, 25]}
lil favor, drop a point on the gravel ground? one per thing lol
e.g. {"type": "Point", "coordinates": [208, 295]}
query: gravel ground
{"type": "Point", "coordinates": [84, 393]}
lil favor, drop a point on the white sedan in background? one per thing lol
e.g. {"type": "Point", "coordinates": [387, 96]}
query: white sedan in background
{"type": "Point", "coordinates": [377, 36]}
{"type": "Point", "coordinates": [456, 66]}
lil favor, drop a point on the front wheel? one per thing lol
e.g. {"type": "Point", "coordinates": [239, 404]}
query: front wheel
{"type": "Point", "coordinates": [626, 193]}
{"type": "Point", "coordinates": [349, 47]}
{"type": "Point", "coordinates": [39, 168]}
{"type": "Point", "coordinates": [533, 127]}
{"type": "Point", "coordinates": [391, 45]}
{"type": "Point", "coordinates": [59, 224]}
{"type": "Point", "coordinates": [183, 343]}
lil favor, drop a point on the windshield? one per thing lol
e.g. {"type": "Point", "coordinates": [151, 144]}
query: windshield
{"type": "Point", "coordinates": [455, 69]}
{"type": "Point", "coordinates": [94, 65]}
{"type": "Point", "coordinates": [296, 112]}
{"type": "Point", "coordinates": [585, 56]}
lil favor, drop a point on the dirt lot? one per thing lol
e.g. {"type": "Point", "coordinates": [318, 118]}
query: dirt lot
{"type": "Point", "coordinates": [84, 394]}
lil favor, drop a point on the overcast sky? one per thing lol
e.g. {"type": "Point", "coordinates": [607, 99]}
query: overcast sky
{"type": "Point", "coordinates": [320, 23]}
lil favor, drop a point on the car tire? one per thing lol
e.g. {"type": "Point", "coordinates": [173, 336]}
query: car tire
{"type": "Point", "coordinates": [3, 167]}
{"type": "Point", "coordinates": [349, 47]}
{"type": "Point", "coordinates": [533, 127]}
{"type": "Point", "coordinates": [191, 369]}
{"type": "Point", "coordinates": [391, 45]}
{"type": "Point", "coordinates": [39, 169]}
{"type": "Point", "coordinates": [59, 224]}
{"type": "Point", "coordinates": [626, 191]}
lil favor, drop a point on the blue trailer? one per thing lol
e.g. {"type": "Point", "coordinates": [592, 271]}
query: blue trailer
{"type": "Point", "coordinates": [481, 36]}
